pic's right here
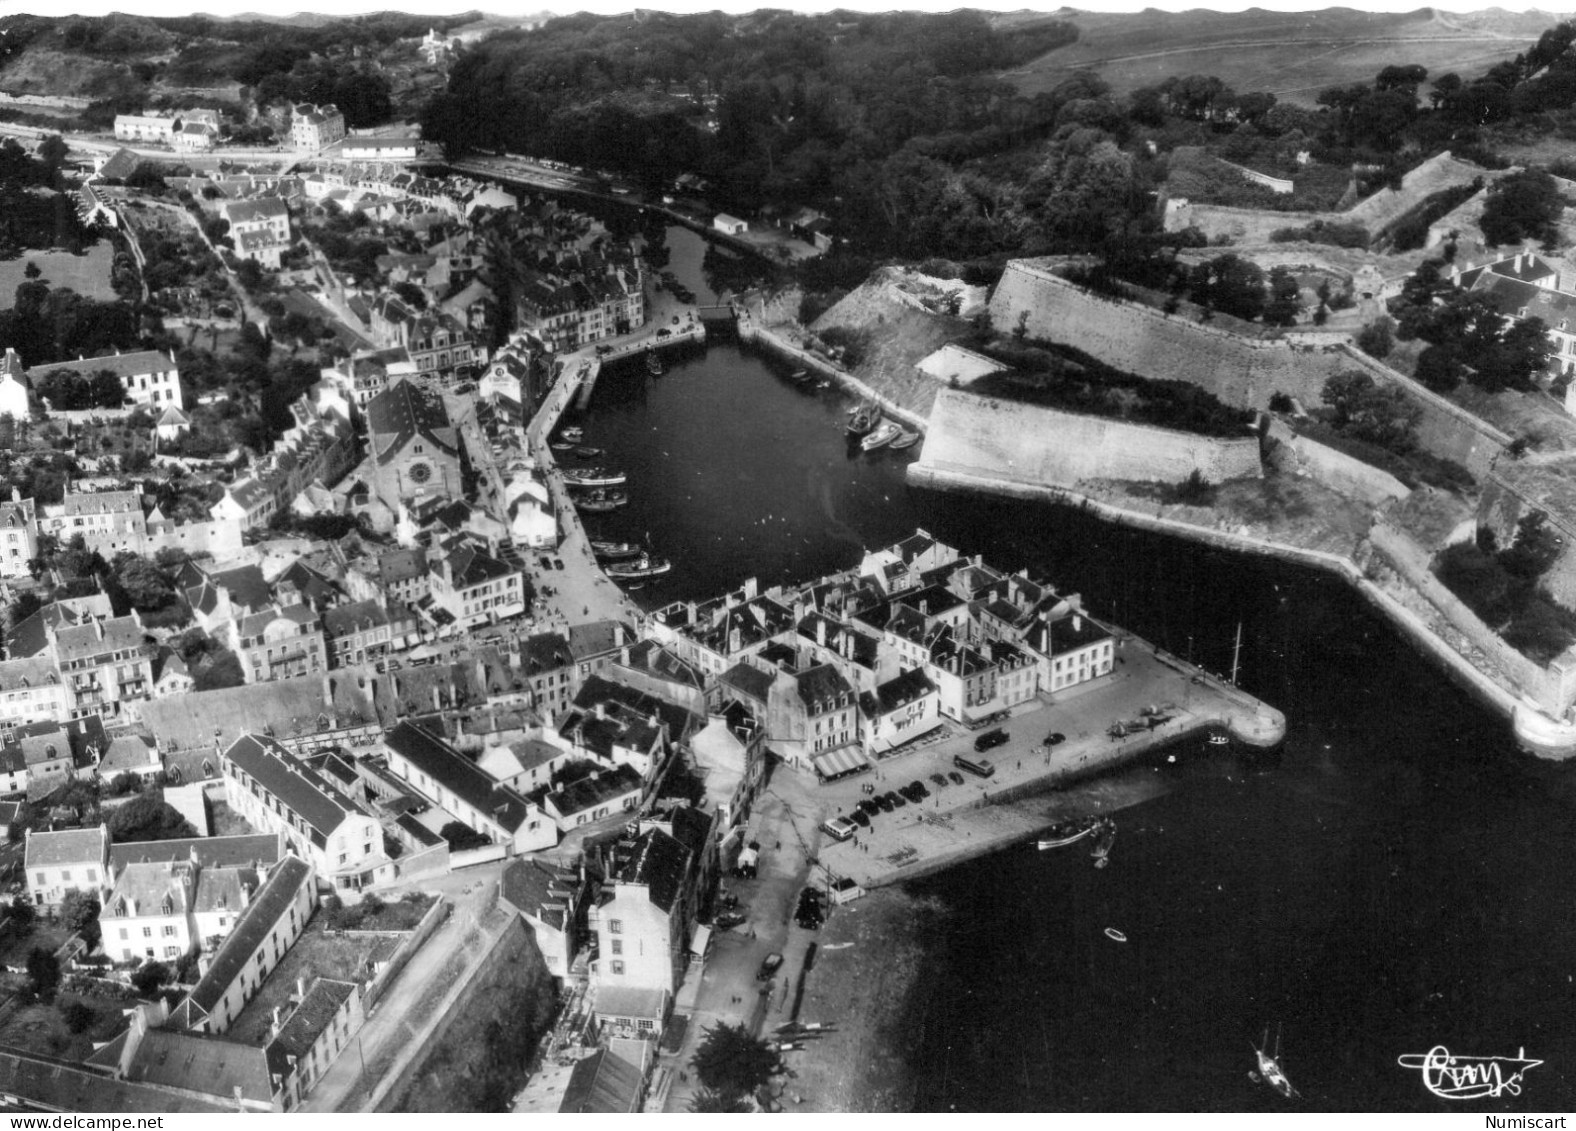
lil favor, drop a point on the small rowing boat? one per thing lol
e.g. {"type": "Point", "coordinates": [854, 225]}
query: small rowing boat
{"type": "Point", "coordinates": [1115, 935]}
{"type": "Point", "coordinates": [881, 437]}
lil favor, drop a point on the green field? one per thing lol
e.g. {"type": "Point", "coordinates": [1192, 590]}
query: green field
{"type": "Point", "coordinates": [1291, 54]}
{"type": "Point", "coordinates": [87, 274]}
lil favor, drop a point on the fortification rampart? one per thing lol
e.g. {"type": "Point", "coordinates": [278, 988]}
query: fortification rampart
{"type": "Point", "coordinates": [1338, 471]}
{"type": "Point", "coordinates": [1042, 446]}
{"type": "Point", "coordinates": [1254, 225]}
{"type": "Point", "coordinates": [1552, 688]}
{"type": "Point", "coordinates": [1239, 371]}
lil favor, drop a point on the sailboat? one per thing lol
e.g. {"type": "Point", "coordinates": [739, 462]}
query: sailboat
{"type": "Point", "coordinates": [1270, 1071]}
{"type": "Point", "coordinates": [1102, 848]}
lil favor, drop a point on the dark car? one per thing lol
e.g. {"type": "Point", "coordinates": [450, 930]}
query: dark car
{"type": "Point", "coordinates": [990, 739]}
{"type": "Point", "coordinates": [955, 777]}
{"type": "Point", "coordinates": [887, 801]}
{"type": "Point", "coordinates": [558, 563]}
{"type": "Point", "coordinates": [939, 780]}
{"type": "Point", "coordinates": [919, 787]}
{"type": "Point", "coordinates": [895, 798]}
{"type": "Point", "coordinates": [769, 965]}
{"type": "Point", "coordinates": [868, 807]}
{"type": "Point", "coordinates": [1055, 738]}
{"type": "Point", "coordinates": [729, 919]}
{"type": "Point", "coordinates": [860, 818]}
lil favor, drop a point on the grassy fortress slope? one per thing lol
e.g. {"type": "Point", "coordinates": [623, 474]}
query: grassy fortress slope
{"type": "Point", "coordinates": [1239, 371]}
{"type": "Point", "coordinates": [1043, 446]}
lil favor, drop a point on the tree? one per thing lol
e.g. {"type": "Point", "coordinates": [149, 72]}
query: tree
{"type": "Point", "coordinates": [79, 911]}
{"type": "Point", "coordinates": [707, 1101]}
{"type": "Point", "coordinates": [1438, 369]}
{"type": "Point", "coordinates": [43, 973]}
{"type": "Point", "coordinates": [1375, 339]}
{"type": "Point", "coordinates": [1522, 206]}
{"type": "Point", "coordinates": [1535, 549]}
{"type": "Point", "coordinates": [733, 1062]}
{"type": "Point", "coordinates": [223, 670]}
{"type": "Point", "coordinates": [1285, 298]}
{"type": "Point", "coordinates": [148, 817]}
{"type": "Point", "coordinates": [77, 1015]}
{"type": "Point", "coordinates": [150, 978]}
{"type": "Point", "coordinates": [23, 914]}
{"type": "Point", "coordinates": [1235, 286]}
{"type": "Point", "coordinates": [1368, 411]}
{"type": "Point", "coordinates": [461, 836]}
{"type": "Point", "coordinates": [143, 583]}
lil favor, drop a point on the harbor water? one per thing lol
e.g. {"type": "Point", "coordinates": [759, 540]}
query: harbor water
{"type": "Point", "coordinates": [1396, 877]}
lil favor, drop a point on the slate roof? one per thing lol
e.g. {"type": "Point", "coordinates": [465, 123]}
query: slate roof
{"type": "Point", "coordinates": [121, 164]}
{"type": "Point", "coordinates": [357, 617]}
{"type": "Point", "coordinates": [902, 690]}
{"type": "Point", "coordinates": [203, 1063]}
{"type": "Point", "coordinates": [310, 795]}
{"type": "Point", "coordinates": [69, 846]}
{"type": "Point", "coordinates": [451, 769]}
{"type": "Point", "coordinates": [596, 638]}
{"type": "Point", "coordinates": [259, 210]}
{"type": "Point", "coordinates": [46, 1084]}
{"type": "Point", "coordinates": [29, 671]}
{"type": "Point", "coordinates": [273, 901]}
{"type": "Point", "coordinates": [471, 566]}
{"type": "Point", "coordinates": [660, 862]}
{"type": "Point", "coordinates": [820, 688]}
{"type": "Point", "coordinates": [1068, 634]}
{"type": "Point", "coordinates": [98, 637]}
{"type": "Point", "coordinates": [589, 792]}
{"type": "Point", "coordinates": [246, 586]}
{"type": "Point", "coordinates": [149, 889]}
{"type": "Point", "coordinates": [255, 849]}
{"type": "Point", "coordinates": [602, 1083]}
{"type": "Point", "coordinates": [224, 889]}
{"type": "Point", "coordinates": [537, 889]}
{"type": "Point", "coordinates": [402, 565]}
{"type": "Point", "coordinates": [307, 1021]}
{"type": "Point", "coordinates": [403, 411]}
{"type": "Point", "coordinates": [123, 365]}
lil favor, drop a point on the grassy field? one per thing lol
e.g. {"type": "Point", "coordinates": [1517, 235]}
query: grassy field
{"type": "Point", "coordinates": [1292, 54]}
{"type": "Point", "coordinates": [87, 274]}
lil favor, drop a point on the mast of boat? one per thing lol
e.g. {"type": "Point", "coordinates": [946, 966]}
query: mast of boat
{"type": "Point", "coordinates": [1236, 655]}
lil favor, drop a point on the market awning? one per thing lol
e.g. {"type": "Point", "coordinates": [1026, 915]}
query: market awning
{"type": "Point", "coordinates": [701, 941]}
{"type": "Point", "coordinates": [846, 760]}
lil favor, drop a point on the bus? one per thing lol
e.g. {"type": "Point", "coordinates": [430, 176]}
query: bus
{"type": "Point", "coordinates": [977, 766]}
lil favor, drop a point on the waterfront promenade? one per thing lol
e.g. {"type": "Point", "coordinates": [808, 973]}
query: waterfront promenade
{"type": "Point", "coordinates": [959, 822]}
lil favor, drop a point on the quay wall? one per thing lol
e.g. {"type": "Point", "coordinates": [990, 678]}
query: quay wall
{"type": "Point", "coordinates": [754, 333]}
{"type": "Point", "coordinates": [1241, 372]}
{"type": "Point", "coordinates": [1036, 445]}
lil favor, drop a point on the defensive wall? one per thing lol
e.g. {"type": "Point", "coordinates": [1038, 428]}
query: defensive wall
{"type": "Point", "coordinates": [1385, 207]}
{"type": "Point", "coordinates": [1518, 487]}
{"type": "Point", "coordinates": [1043, 446]}
{"type": "Point", "coordinates": [1335, 469]}
{"type": "Point", "coordinates": [1552, 688]}
{"type": "Point", "coordinates": [1241, 372]}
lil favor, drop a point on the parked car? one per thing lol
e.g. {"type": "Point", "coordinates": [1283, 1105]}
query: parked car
{"type": "Point", "coordinates": [769, 965]}
{"type": "Point", "coordinates": [954, 777]}
{"type": "Point", "coordinates": [939, 780]}
{"type": "Point", "coordinates": [558, 563]}
{"type": "Point", "coordinates": [897, 800]}
{"type": "Point", "coordinates": [990, 739]}
{"type": "Point", "coordinates": [861, 818]}
{"type": "Point", "coordinates": [729, 919]}
{"type": "Point", "coordinates": [887, 802]}
{"type": "Point", "coordinates": [1055, 738]}
{"type": "Point", "coordinates": [868, 807]}
{"type": "Point", "coordinates": [919, 788]}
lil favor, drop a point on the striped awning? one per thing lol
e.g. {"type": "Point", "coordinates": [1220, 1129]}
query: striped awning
{"type": "Point", "coordinates": [836, 763]}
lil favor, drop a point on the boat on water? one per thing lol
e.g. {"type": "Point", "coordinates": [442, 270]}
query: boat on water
{"type": "Point", "coordinates": [585, 452]}
{"type": "Point", "coordinates": [1106, 834]}
{"type": "Point", "coordinates": [654, 364]}
{"type": "Point", "coordinates": [904, 440]}
{"type": "Point", "coordinates": [1069, 832]}
{"type": "Point", "coordinates": [1115, 935]}
{"type": "Point", "coordinates": [881, 436]}
{"type": "Point", "coordinates": [572, 435]}
{"type": "Point", "coordinates": [602, 500]}
{"type": "Point", "coordinates": [561, 445]}
{"type": "Point", "coordinates": [799, 376]}
{"type": "Point", "coordinates": [862, 420]}
{"type": "Point", "coordinates": [594, 477]}
{"type": "Point", "coordinates": [642, 569]}
{"type": "Point", "coordinates": [1219, 738]}
{"type": "Point", "coordinates": [1270, 1070]}
{"type": "Point", "coordinates": [616, 551]}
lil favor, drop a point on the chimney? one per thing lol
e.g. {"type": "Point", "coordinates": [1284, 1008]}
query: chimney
{"type": "Point", "coordinates": [820, 631]}
{"type": "Point", "coordinates": [301, 988]}
{"type": "Point", "coordinates": [1077, 623]}
{"type": "Point", "coordinates": [278, 1023]}
{"type": "Point", "coordinates": [848, 645]}
{"type": "Point", "coordinates": [1518, 261]}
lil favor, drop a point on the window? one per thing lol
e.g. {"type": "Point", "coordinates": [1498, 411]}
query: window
{"type": "Point", "coordinates": [616, 926]}
{"type": "Point", "coordinates": [169, 930]}
{"type": "Point", "coordinates": [618, 946]}
{"type": "Point", "coordinates": [618, 967]}
{"type": "Point", "coordinates": [41, 880]}
{"type": "Point", "coordinates": [65, 875]}
{"type": "Point", "coordinates": [123, 934]}
{"type": "Point", "coordinates": [147, 933]}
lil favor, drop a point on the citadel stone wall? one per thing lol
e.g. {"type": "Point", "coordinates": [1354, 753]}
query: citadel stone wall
{"type": "Point", "coordinates": [1241, 372]}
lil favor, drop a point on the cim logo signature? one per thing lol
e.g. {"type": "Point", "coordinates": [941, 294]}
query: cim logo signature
{"type": "Point", "coordinates": [1452, 1077]}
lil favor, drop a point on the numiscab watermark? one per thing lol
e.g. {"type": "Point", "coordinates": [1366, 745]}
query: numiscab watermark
{"type": "Point", "coordinates": [1452, 1077]}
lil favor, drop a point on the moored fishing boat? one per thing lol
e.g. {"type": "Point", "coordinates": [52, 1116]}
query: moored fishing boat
{"type": "Point", "coordinates": [862, 419]}
{"type": "Point", "coordinates": [572, 434]}
{"type": "Point", "coordinates": [904, 440]}
{"type": "Point", "coordinates": [585, 452]}
{"type": "Point", "coordinates": [1069, 832]}
{"type": "Point", "coordinates": [654, 364]}
{"type": "Point", "coordinates": [602, 500]}
{"type": "Point", "coordinates": [615, 551]}
{"type": "Point", "coordinates": [881, 437]}
{"type": "Point", "coordinates": [642, 569]}
{"type": "Point", "coordinates": [561, 445]}
{"type": "Point", "coordinates": [594, 477]}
